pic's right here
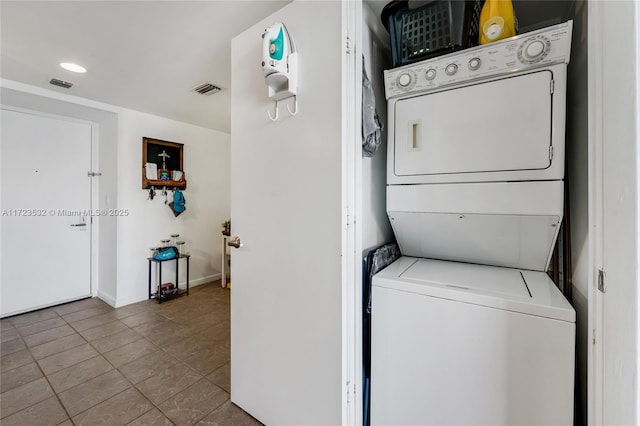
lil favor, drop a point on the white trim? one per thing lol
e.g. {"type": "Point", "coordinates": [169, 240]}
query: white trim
{"type": "Point", "coordinates": [203, 280]}
{"type": "Point", "coordinates": [9, 107]}
{"type": "Point", "coordinates": [613, 141]}
{"type": "Point", "coordinates": [34, 90]}
{"type": "Point", "coordinates": [95, 221]}
{"type": "Point", "coordinates": [192, 283]}
{"type": "Point", "coordinates": [595, 358]}
{"type": "Point", "coordinates": [637, 99]}
{"type": "Point", "coordinates": [107, 299]}
{"type": "Point", "coordinates": [76, 100]}
{"type": "Point", "coordinates": [358, 211]}
{"type": "Point", "coordinates": [351, 63]}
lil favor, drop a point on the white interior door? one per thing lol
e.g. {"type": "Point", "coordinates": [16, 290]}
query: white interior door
{"type": "Point", "coordinates": [286, 207]}
{"type": "Point", "coordinates": [46, 197]}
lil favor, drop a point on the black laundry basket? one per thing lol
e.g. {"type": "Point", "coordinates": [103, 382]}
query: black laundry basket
{"type": "Point", "coordinates": [432, 29]}
{"type": "Point", "coordinates": [375, 261]}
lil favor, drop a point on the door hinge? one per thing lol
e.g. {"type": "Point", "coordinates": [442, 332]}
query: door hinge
{"type": "Point", "coordinates": [351, 391]}
{"type": "Point", "coordinates": [348, 45]}
{"type": "Point", "coordinates": [94, 174]}
{"type": "Point", "coordinates": [552, 87]}
{"type": "Point", "coordinates": [594, 336]}
{"type": "Point", "coordinates": [602, 284]}
{"type": "Point", "coordinates": [550, 153]}
{"type": "Point", "coordinates": [348, 218]}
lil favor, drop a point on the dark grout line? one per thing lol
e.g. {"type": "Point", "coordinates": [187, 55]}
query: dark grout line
{"type": "Point", "coordinates": [52, 390]}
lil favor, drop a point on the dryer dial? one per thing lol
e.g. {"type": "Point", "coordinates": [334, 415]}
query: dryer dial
{"type": "Point", "coordinates": [406, 80]}
{"type": "Point", "coordinates": [534, 49]}
{"type": "Point", "coordinates": [451, 69]}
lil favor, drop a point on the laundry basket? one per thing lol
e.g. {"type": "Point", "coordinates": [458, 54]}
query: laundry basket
{"type": "Point", "coordinates": [431, 29]}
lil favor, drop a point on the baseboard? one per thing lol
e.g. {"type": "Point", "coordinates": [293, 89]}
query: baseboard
{"type": "Point", "coordinates": [192, 283]}
{"type": "Point", "coordinates": [106, 298]}
{"type": "Point", "coordinates": [203, 280]}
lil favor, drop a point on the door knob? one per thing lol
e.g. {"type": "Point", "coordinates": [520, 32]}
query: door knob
{"type": "Point", "coordinates": [235, 242]}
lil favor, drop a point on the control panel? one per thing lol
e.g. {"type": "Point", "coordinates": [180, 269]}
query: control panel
{"type": "Point", "coordinates": [547, 46]}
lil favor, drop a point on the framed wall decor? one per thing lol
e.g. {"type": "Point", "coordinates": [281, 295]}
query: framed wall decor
{"type": "Point", "coordinates": [162, 164]}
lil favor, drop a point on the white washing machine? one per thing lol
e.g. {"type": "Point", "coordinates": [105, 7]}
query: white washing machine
{"type": "Point", "coordinates": [467, 328]}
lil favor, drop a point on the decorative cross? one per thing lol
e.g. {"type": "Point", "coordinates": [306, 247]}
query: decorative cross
{"type": "Point", "coordinates": [164, 156]}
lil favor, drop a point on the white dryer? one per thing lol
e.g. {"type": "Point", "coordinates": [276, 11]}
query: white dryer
{"type": "Point", "coordinates": [467, 328]}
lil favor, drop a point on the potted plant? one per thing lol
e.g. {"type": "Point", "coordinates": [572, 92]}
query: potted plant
{"type": "Point", "coordinates": [226, 227]}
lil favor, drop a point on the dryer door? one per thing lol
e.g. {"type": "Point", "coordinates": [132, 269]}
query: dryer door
{"type": "Point", "coordinates": [498, 126]}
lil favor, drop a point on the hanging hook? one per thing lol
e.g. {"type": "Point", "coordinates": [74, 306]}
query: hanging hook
{"type": "Point", "coordinates": [295, 106]}
{"type": "Point", "coordinates": [269, 113]}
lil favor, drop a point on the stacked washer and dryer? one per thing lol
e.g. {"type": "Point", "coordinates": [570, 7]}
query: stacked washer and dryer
{"type": "Point", "coordinates": [467, 328]}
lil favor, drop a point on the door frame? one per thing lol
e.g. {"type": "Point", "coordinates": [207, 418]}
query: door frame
{"type": "Point", "coordinates": [94, 192]}
{"type": "Point", "coordinates": [608, 29]}
{"type": "Point", "coordinates": [352, 207]}
{"type": "Point", "coordinates": [595, 309]}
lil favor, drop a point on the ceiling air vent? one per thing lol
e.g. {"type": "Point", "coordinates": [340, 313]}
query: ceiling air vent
{"type": "Point", "coordinates": [206, 89]}
{"type": "Point", "coordinates": [61, 83]}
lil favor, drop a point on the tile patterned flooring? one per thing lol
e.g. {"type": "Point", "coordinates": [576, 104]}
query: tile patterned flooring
{"type": "Point", "coordinates": [86, 363]}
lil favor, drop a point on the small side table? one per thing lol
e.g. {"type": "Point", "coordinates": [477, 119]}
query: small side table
{"type": "Point", "coordinates": [159, 294]}
{"type": "Point", "coordinates": [225, 253]}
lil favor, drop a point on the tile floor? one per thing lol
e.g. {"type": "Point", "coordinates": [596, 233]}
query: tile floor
{"type": "Point", "coordinates": [85, 363]}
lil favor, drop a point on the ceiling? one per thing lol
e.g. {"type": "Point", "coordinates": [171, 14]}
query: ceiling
{"type": "Point", "coordinates": [141, 55]}
{"type": "Point", "coordinates": [148, 55]}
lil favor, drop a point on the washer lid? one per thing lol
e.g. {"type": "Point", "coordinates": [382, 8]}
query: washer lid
{"type": "Point", "coordinates": [527, 292]}
{"type": "Point", "coordinates": [501, 282]}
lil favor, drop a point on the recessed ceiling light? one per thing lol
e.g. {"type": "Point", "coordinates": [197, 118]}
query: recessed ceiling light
{"type": "Point", "coordinates": [73, 67]}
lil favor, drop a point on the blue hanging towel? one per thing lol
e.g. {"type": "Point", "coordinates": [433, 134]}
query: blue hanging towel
{"type": "Point", "coordinates": [178, 204]}
{"type": "Point", "coordinates": [178, 201]}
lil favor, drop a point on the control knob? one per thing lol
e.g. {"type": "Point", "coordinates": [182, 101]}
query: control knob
{"type": "Point", "coordinates": [451, 69]}
{"type": "Point", "coordinates": [430, 74]}
{"type": "Point", "coordinates": [534, 49]}
{"type": "Point", "coordinates": [404, 79]}
{"type": "Point", "coordinates": [474, 64]}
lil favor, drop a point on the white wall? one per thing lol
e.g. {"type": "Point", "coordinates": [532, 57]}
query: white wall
{"type": "Point", "coordinates": [124, 242]}
{"type": "Point", "coordinates": [206, 163]}
{"type": "Point", "coordinates": [376, 228]}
